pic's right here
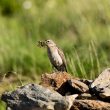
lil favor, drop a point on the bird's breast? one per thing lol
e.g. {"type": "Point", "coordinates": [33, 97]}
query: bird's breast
{"type": "Point", "coordinates": [55, 57]}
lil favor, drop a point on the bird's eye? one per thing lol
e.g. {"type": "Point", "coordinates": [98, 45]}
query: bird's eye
{"type": "Point", "coordinates": [48, 41]}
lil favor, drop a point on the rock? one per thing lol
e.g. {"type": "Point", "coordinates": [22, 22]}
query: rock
{"type": "Point", "coordinates": [101, 85]}
{"type": "Point", "coordinates": [54, 80]}
{"type": "Point", "coordinates": [66, 89]}
{"type": "Point", "coordinates": [71, 99]}
{"type": "Point", "coordinates": [72, 86]}
{"type": "Point", "coordinates": [34, 97]}
{"type": "Point", "coordinates": [87, 96]}
{"type": "Point", "coordinates": [79, 86]}
{"type": "Point", "coordinates": [63, 83]}
{"type": "Point", "coordinates": [90, 105]}
{"type": "Point", "coordinates": [86, 81]}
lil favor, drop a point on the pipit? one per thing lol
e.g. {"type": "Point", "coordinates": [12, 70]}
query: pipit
{"type": "Point", "coordinates": [55, 55]}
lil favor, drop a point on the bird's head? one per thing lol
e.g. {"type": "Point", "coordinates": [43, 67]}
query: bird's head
{"type": "Point", "coordinates": [49, 43]}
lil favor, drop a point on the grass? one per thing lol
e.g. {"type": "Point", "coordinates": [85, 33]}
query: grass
{"type": "Point", "coordinates": [85, 65]}
{"type": "Point", "coordinates": [81, 28]}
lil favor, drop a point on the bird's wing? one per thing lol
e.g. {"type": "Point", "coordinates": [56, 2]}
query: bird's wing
{"type": "Point", "coordinates": [62, 56]}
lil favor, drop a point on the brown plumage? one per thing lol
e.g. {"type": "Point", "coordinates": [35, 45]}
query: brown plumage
{"type": "Point", "coordinates": [56, 56]}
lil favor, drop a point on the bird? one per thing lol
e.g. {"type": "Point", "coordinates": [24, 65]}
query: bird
{"type": "Point", "coordinates": [56, 56]}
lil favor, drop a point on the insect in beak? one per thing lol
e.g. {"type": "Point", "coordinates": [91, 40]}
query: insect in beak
{"type": "Point", "coordinates": [41, 44]}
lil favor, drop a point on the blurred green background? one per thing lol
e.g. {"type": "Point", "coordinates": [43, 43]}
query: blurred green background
{"type": "Point", "coordinates": [81, 28]}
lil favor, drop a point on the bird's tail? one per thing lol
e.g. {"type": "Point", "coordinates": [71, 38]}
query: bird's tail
{"type": "Point", "coordinates": [66, 69]}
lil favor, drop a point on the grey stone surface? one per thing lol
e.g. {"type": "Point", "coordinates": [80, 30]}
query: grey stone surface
{"type": "Point", "coordinates": [34, 97]}
{"type": "Point", "coordinates": [101, 85]}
